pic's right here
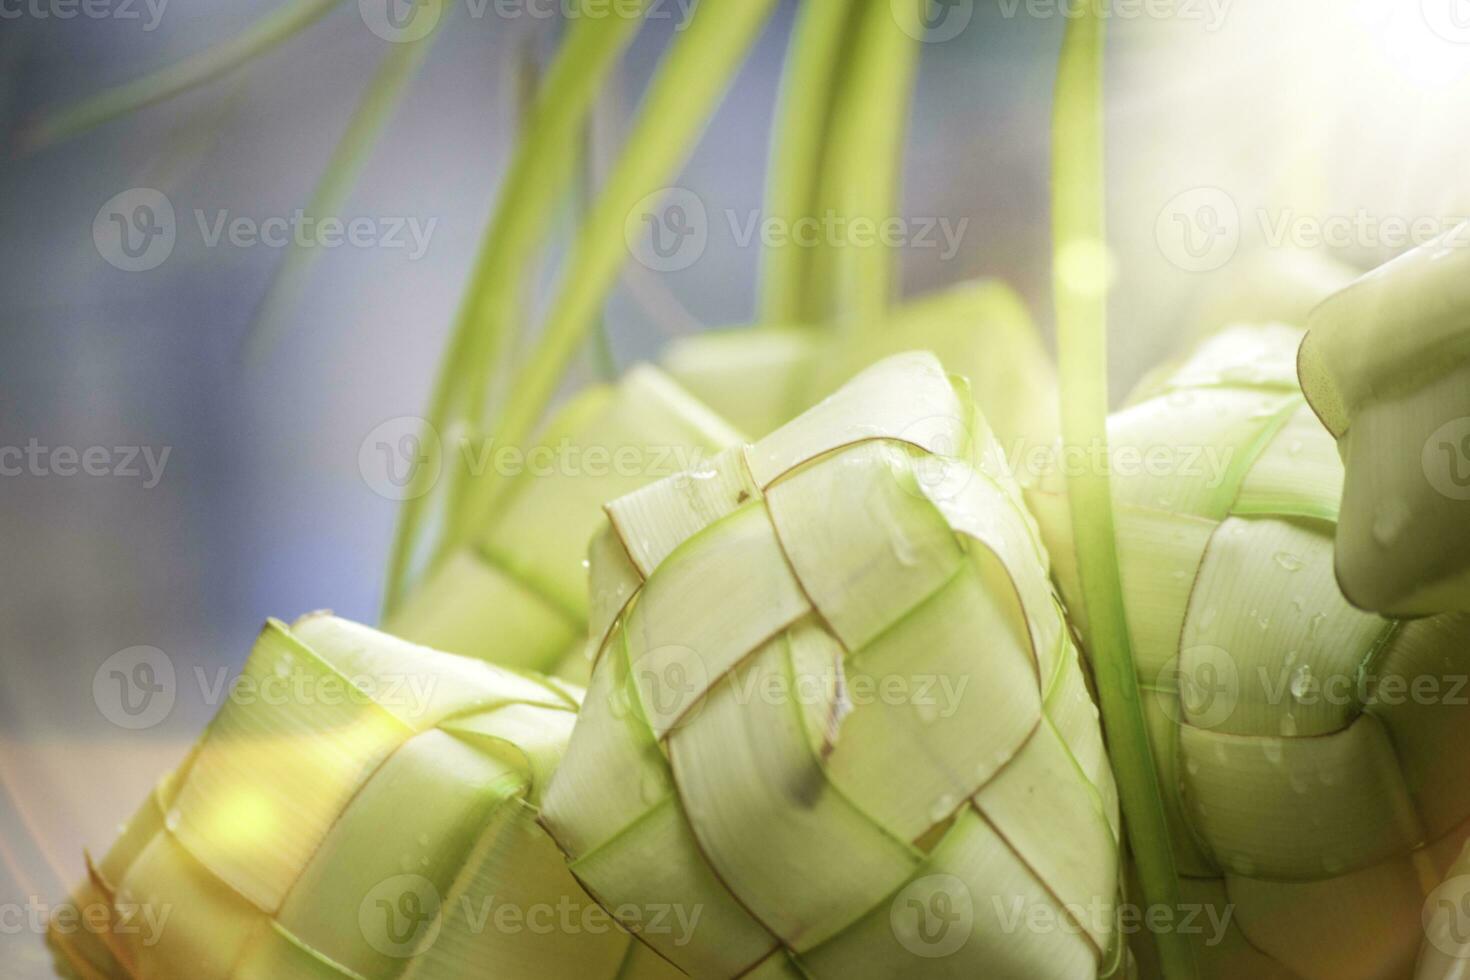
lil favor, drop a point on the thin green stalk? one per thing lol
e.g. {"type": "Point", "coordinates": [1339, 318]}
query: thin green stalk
{"type": "Point", "coordinates": [540, 172]}
{"type": "Point", "coordinates": [397, 70]}
{"type": "Point", "coordinates": [848, 282]}
{"type": "Point", "coordinates": [206, 66]}
{"type": "Point", "coordinates": [808, 92]}
{"type": "Point", "coordinates": [694, 74]}
{"type": "Point", "coordinates": [1079, 227]}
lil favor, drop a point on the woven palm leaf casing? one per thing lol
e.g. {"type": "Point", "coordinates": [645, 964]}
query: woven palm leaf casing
{"type": "Point", "coordinates": [1305, 748]}
{"type": "Point", "coordinates": [360, 808]}
{"type": "Point", "coordinates": [1386, 366]}
{"type": "Point", "coordinates": [518, 595]}
{"type": "Point", "coordinates": [837, 709]}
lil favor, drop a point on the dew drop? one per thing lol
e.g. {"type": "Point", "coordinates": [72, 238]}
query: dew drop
{"type": "Point", "coordinates": [941, 809]}
{"type": "Point", "coordinates": [1318, 621]}
{"type": "Point", "coordinates": [173, 820]}
{"type": "Point", "coordinates": [1301, 682]}
{"type": "Point", "coordinates": [1271, 749]}
{"type": "Point", "coordinates": [1288, 726]}
{"type": "Point", "coordinates": [1289, 561]}
{"type": "Point", "coordinates": [1295, 449]}
{"type": "Point", "coordinates": [1389, 521]}
{"type": "Point", "coordinates": [1192, 767]}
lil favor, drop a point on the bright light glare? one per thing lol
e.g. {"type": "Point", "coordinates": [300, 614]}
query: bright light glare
{"type": "Point", "coordinates": [1426, 42]}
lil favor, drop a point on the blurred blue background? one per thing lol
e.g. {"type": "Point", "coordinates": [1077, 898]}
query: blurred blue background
{"type": "Point", "coordinates": [1300, 117]}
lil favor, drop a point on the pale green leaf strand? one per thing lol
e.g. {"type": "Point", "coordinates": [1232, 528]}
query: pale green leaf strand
{"type": "Point", "coordinates": [1081, 302]}
{"type": "Point", "coordinates": [209, 64]}
{"type": "Point", "coordinates": [854, 283]}
{"type": "Point", "coordinates": [379, 101]}
{"type": "Point", "coordinates": [808, 90]}
{"type": "Point", "coordinates": [539, 173]}
{"type": "Point", "coordinates": [681, 97]}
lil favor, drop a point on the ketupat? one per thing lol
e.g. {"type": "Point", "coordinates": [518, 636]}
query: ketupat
{"type": "Point", "coordinates": [517, 595]}
{"type": "Point", "coordinates": [766, 736]}
{"type": "Point", "coordinates": [371, 819]}
{"type": "Point", "coordinates": [1386, 366]}
{"type": "Point", "coordinates": [1304, 746]}
{"type": "Point", "coordinates": [759, 378]}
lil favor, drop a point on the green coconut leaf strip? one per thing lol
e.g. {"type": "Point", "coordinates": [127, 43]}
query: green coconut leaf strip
{"type": "Point", "coordinates": [491, 310]}
{"type": "Point", "coordinates": [692, 77]}
{"type": "Point", "coordinates": [849, 281]}
{"type": "Point", "coordinates": [198, 69]}
{"type": "Point", "coordinates": [809, 88]}
{"type": "Point", "coordinates": [1079, 228]}
{"type": "Point", "coordinates": [364, 130]}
